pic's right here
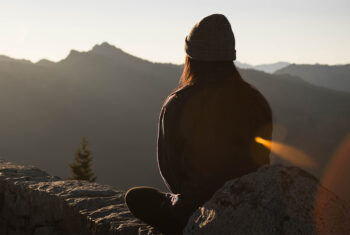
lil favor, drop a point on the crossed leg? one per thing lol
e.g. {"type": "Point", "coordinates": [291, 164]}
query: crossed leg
{"type": "Point", "coordinates": [165, 212]}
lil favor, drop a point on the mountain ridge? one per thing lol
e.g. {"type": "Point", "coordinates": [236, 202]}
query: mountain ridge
{"type": "Point", "coordinates": [267, 68]}
{"type": "Point", "coordinates": [107, 49]}
{"type": "Point", "coordinates": [116, 103]}
{"type": "Point", "coordinates": [335, 77]}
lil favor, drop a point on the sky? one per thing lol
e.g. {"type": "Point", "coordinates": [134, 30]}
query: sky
{"type": "Point", "coordinates": [266, 31]}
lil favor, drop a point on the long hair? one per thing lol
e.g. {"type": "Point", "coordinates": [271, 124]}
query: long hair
{"type": "Point", "coordinates": [196, 71]}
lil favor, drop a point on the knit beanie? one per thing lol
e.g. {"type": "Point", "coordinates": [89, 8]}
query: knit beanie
{"type": "Point", "coordinates": [211, 39]}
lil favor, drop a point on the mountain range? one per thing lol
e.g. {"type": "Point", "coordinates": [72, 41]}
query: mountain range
{"type": "Point", "coordinates": [267, 68]}
{"type": "Point", "coordinates": [114, 98]}
{"type": "Point", "coordinates": [335, 77]}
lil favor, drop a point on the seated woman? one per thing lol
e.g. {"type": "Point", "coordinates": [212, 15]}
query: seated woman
{"type": "Point", "coordinates": [207, 130]}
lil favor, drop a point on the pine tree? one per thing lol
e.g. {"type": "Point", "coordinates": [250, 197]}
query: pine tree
{"type": "Point", "coordinates": [82, 166]}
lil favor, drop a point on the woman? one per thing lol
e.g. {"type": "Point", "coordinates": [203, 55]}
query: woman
{"type": "Point", "coordinates": [207, 130]}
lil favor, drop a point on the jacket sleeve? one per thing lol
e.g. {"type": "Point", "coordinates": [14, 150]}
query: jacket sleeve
{"type": "Point", "coordinates": [173, 159]}
{"type": "Point", "coordinates": [169, 161]}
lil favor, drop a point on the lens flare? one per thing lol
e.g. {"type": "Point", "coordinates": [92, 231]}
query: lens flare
{"type": "Point", "coordinates": [335, 178]}
{"type": "Point", "coordinates": [337, 173]}
{"type": "Point", "coordinates": [287, 152]}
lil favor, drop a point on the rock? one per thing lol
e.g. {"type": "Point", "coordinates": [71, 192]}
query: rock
{"type": "Point", "coordinates": [33, 202]}
{"type": "Point", "coordinates": [274, 200]}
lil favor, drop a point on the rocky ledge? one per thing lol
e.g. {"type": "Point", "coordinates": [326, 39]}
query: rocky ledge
{"type": "Point", "coordinates": [273, 200]}
{"type": "Point", "coordinates": [33, 202]}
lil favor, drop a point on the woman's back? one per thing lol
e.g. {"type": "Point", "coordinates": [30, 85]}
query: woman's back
{"type": "Point", "coordinates": [219, 122]}
{"type": "Point", "coordinates": [208, 135]}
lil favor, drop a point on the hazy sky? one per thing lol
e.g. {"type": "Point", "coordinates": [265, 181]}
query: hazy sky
{"type": "Point", "coordinates": [300, 31]}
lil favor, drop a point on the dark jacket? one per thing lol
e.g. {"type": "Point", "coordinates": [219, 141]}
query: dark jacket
{"type": "Point", "coordinates": [206, 136]}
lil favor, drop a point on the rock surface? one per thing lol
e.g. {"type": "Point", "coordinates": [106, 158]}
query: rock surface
{"type": "Point", "coordinates": [32, 202]}
{"type": "Point", "coordinates": [273, 200]}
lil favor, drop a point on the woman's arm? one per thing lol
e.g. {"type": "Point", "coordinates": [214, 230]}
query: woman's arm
{"type": "Point", "coordinates": [169, 160]}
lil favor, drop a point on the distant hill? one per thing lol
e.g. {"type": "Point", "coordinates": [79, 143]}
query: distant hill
{"type": "Point", "coordinates": [114, 99]}
{"type": "Point", "coordinates": [109, 96]}
{"type": "Point", "coordinates": [335, 77]}
{"type": "Point", "coordinates": [267, 68]}
{"type": "Point", "coordinates": [243, 65]}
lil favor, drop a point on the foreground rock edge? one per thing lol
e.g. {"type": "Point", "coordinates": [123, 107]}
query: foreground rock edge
{"type": "Point", "coordinates": [274, 200]}
{"type": "Point", "coordinates": [33, 202]}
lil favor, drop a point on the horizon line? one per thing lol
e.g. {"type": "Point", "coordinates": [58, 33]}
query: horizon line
{"type": "Point", "coordinates": [162, 62]}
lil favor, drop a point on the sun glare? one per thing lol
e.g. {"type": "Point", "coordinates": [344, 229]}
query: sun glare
{"type": "Point", "coordinates": [287, 152]}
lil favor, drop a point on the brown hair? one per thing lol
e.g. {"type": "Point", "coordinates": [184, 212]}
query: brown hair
{"type": "Point", "coordinates": [196, 71]}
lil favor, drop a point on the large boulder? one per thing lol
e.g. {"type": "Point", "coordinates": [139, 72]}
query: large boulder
{"type": "Point", "coordinates": [274, 200]}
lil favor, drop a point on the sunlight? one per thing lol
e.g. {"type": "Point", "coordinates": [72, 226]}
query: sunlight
{"type": "Point", "coordinates": [287, 152]}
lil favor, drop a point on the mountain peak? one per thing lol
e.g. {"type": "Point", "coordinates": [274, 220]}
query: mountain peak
{"type": "Point", "coordinates": [45, 62]}
{"type": "Point", "coordinates": [106, 49]}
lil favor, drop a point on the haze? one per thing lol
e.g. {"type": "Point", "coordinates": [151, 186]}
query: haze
{"type": "Point", "coordinates": [266, 31]}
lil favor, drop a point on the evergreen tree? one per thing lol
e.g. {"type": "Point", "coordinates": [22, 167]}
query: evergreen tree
{"type": "Point", "coordinates": [82, 166]}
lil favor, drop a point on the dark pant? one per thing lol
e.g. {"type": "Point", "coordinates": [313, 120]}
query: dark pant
{"type": "Point", "coordinates": [166, 212]}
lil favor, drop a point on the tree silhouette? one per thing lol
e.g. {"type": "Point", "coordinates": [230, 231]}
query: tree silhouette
{"type": "Point", "coordinates": [82, 166]}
